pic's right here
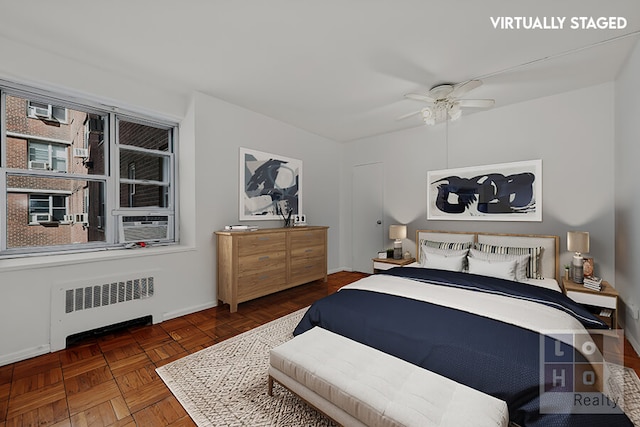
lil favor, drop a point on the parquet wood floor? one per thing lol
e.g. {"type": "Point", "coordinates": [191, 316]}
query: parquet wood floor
{"type": "Point", "coordinates": [111, 380]}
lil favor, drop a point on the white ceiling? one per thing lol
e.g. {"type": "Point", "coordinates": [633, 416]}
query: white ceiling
{"type": "Point", "coordinates": [337, 68]}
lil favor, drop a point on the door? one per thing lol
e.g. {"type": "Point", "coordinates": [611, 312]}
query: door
{"type": "Point", "coordinates": [367, 222]}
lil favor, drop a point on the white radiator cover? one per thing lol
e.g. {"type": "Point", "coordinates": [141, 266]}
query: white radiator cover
{"type": "Point", "coordinates": [96, 303]}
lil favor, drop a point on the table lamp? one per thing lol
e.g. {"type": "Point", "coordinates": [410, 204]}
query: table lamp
{"type": "Point", "coordinates": [397, 232]}
{"type": "Point", "coordinates": [578, 242]}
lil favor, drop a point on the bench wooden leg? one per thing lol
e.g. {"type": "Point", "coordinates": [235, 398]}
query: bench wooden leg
{"type": "Point", "coordinates": [270, 386]}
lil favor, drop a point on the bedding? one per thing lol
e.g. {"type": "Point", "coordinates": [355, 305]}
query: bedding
{"type": "Point", "coordinates": [479, 331]}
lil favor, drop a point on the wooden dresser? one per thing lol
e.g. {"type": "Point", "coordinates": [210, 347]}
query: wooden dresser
{"type": "Point", "coordinates": [252, 264]}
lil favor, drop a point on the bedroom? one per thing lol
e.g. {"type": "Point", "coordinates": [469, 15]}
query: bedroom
{"type": "Point", "coordinates": [573, 135]}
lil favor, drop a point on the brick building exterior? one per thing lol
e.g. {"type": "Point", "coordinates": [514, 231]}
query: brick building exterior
{"type": "Point", "coordinates": [51, 209]}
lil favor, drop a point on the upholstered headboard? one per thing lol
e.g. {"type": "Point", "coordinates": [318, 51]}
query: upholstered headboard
{"type": "Point", "coordinates": [549, 259]}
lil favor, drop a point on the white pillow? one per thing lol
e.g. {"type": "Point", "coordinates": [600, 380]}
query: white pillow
{"type": "Point", "coordinates": [499, 269]}
{"type": "Point", "coordinates": [443, 262]}
{"type": "Point", "coordinates": [443, 252]}
{"type": "Point", "coordinates": [522, 261]}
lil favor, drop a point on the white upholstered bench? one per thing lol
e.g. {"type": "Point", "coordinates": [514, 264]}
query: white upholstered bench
{"type": "Point", "coordinates": [356, 385]}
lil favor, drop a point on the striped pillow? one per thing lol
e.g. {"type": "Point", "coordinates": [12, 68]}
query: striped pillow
{"type": "Point", "coordinates": [443, 248]}
{"type": "Point", "coordinates": [533, 266]}
{"type": "Point", "coordinates": [456, 246]}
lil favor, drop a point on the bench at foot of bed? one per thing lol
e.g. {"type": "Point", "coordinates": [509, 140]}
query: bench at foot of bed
{"type": "Point", "coordinates": [357, 385]}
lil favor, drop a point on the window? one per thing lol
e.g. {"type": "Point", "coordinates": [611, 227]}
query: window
{"type": "Point", "coordinates": [77, 176]}
{"type": "Point", "coordinates": [47, 156]}
{"type": "Point", "coordinates": [47, 208]}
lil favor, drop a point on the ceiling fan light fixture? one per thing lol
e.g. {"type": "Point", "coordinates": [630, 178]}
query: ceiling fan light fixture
{"type": "Point", "coordinates": [428, 116]}
{"type": "Point", "coordinates": [455, 112]}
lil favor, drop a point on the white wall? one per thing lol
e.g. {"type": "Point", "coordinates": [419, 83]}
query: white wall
{"type": "Point", "coordinates": [211, 132]}
{"type": "Point", "coordinates": [627, 161]}
{"type": "Point", "coordinates": [572, 134]}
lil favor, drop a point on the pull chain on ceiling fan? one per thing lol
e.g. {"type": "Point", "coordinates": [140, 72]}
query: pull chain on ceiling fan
{"type": "Point", "coordinates": [445, 103]}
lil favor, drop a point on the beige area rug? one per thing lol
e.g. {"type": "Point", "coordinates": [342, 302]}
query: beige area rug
{"type": "Point", "coordinates": [226, 384]}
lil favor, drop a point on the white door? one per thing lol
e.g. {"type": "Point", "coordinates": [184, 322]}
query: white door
{"type": "Point", "coordinates": [367, 221]}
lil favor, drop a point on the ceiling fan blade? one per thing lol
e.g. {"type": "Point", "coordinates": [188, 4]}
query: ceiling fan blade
{"type": "Point", "coordinates": [477, 103]}
{"type": "Point", "coordinates": [462, 88]}
{"type": "Point", "coordinates": [419, 97]}
{"type": "Point", "coordinates": [406, 116]}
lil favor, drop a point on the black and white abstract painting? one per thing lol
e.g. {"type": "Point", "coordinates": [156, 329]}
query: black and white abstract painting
{"type": "Point", "coordinates": [500, 192]}
{"type": "Point", "coordinates": [270, 186]}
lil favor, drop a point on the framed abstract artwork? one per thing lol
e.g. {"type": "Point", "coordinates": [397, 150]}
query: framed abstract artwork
{"type": "Point", "coordinates": [500, 192]}
{"type": "Point", "coordinates": [270, 186]}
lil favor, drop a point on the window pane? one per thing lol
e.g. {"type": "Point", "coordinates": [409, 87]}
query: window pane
{"type": "Point", "coordinates": [30, 137]}
{"type": "Point", "coordinates": [136, 165]}
{"type": "Point", "coordinates": [143, 136]}
{"type": "Point", "coordinates": [70, 221]}
{"type": "Point", "coordinates": [143, 196]}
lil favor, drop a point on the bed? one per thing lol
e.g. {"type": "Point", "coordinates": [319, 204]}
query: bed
{"type": "Point", "coordinates": [484, 310]}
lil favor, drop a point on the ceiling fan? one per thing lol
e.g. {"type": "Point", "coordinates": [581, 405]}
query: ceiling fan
{"type": "Point", "coordinates": [445, 103]}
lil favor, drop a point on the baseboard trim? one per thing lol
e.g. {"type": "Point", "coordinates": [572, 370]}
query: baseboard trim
{"type": "Point", "coordinates": [28, 353]}
{"type": "Point", "coordinates": [183, 312]}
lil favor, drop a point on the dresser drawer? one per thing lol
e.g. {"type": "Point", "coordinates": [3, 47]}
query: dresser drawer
{"type": "Point", "coordinates": [262, 283]}
{"type": "Point", "coordinates": [250, 264]}
{"type": "Point", "coordinates": [302, 268]}
{"type": "Point", "coordinates": [249, 244]}
{"type": "Point", "coordinates": [306, 238]}
{"type": "Point", "coordinates": [307, 252]}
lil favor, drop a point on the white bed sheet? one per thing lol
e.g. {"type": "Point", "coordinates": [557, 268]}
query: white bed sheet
{"type": "Point", "coordinates": [543, 283]}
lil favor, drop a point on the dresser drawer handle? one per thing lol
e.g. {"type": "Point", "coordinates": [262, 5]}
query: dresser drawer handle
{"type": "Point", "coordinates": [263, 258]}
{"type": "Point", "coordinates": [264, 277]}
{"type": "Point", "coordinates": [309, 250]}
{"type": "Point", "coordinates": [264, 238]}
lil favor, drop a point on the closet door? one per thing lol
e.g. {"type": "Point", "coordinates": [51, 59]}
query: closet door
{"type": "Point", "coordinates": [367, 223]}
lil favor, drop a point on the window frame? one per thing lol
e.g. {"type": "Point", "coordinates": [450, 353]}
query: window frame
{"type": "Point", "coordinates": [111, 219]}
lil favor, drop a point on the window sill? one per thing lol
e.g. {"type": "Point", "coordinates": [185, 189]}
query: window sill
{"type": "Point", "coordinates": [56, 260]}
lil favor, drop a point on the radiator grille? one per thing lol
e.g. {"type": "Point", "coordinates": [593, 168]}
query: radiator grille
{"type": "Point", "coordinates": [98, 295]}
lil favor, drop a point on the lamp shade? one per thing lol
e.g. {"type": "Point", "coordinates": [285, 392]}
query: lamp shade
{"type": "Point", "coordinates": [578, 241]}
{"type": "Point", "coordinates": [397, 232]}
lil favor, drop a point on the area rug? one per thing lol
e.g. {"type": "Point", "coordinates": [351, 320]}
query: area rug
{"type": "Point", "coordinates": [226, 384]}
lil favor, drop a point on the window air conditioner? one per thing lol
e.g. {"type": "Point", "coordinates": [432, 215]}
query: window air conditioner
{"type": "Point", "coordinates": [80, 152]}
{"type": "Point", "coordinates": [38, 165]}
{"type": "Point", "coordinates": [82, 218]}
{"type": "Point", "coordinates": [68, 218]}
{"type": "Point", "coordinates": [40, 218]}
{"type": "Point", "coordinates": [40, 111]}
{"type": "Point", "coordinates": [143, 228]}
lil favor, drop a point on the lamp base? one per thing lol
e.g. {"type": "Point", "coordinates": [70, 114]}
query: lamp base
{"type": "Point", "coordinates": [397, 249]}
{"type": "Point", "coordinates": [577, 267]}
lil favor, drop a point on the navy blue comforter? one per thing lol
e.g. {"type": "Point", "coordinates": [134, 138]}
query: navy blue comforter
{"type": "Point", "coordinates": [496, 358]}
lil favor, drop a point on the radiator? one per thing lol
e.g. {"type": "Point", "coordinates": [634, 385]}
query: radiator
{"type": "Point", "coordinates": [78, 307]}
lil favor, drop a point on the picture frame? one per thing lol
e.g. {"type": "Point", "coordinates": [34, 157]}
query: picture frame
{"type": "Point", "coordinates": [498, 192]}
{"type": "Point", "coordinates": [270, 186]}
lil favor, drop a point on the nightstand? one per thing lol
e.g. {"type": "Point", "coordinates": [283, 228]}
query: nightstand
{"type": "Point", "coordinates": [606, 298]}
{"type": "Point", "coordinates": [381, 264]}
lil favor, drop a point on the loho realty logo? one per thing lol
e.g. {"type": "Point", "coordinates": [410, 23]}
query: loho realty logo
{"type": "Point", "coordinates": [574, 376]}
